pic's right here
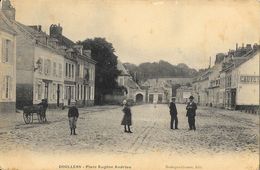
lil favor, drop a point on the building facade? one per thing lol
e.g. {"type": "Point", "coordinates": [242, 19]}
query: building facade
{"type": "Point", "coordinates": [200, 88]}
{"type": "Point", "coordinates": [158, 91]}
{"type": "Point", "coordinates": [233, 82]}
{"type": "Point", "coordinates": [183, 93]}
{"type": "Point", "coordinates": [133, 90]}
{"type": "Point", "coordinates": [79, 75]}
{"type": "Point", "coordinates": [7, 65]}
{"type": "Point", "coordinates": [242, 82]}
{"type": "Point", "coordinates": [39, 68]}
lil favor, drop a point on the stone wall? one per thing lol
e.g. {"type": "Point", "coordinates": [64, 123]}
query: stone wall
{"type": "Point", "coordinates": [7, 107]}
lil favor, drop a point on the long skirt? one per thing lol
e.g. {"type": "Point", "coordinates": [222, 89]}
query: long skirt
{"type": "Point", "coordinates": [127, 119]}
{"type": "Point", "coordinates": [73, 122]}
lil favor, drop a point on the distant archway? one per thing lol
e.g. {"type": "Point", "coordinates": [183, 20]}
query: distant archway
{"type": "Point", "coordinates": [139, 98]}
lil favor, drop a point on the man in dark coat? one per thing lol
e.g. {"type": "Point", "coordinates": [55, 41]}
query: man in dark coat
{"type": "Point", "coordinates": [127, 119]}
{"type": "Point", "coordinates": [73, 115]}
{"type": "Point", "coordinates": [173, 113]}
{"type": "Point", "coordinates": [191, 113]}
{"type": "Point", "coordinates": [44, 105]}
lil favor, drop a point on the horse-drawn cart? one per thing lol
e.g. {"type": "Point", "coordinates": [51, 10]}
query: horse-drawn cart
{"type": "Point", "coordinates": [29, 111]}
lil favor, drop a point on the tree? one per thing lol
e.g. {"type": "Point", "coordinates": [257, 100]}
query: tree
{"type": "Point", "coordinates": [159, 69]}
{"type": "Point", "coordinates": [106, 68]}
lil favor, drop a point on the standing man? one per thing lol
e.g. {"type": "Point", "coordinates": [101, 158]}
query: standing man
{"type": "Point", "coordinates": [73, 115]}
{"type": "Point", "coordinates": [44, 105]}
{"type": "Point", "coordinates": [191, 113]}
{"type": "Point", "coordinates": [173, 113]}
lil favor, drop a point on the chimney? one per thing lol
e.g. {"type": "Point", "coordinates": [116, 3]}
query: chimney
{"type": "Point", "coordinates": [8, 9]}
{"type": "Point", "coordinates": [236, 46]}
{"type": "Point", "coordinates": [248, 47]}
{"type": "Point", "coordinates": [55, 31]}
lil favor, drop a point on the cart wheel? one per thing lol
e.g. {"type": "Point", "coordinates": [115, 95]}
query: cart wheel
{"type": "Point", "coordinates": [27, 117]}
{"type": "Point", "coordinates": [39, 115]}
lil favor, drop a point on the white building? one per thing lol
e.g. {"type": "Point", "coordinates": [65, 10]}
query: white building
{"type": "Point", "coordinates": [7, 65]}
{"type": "Point", "coordinates": [242, 82]}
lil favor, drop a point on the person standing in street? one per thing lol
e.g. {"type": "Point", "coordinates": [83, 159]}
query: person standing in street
{"type": "Point", "coordinates": [73, 115]}
{"type": "Point", "coordinates": [127, 119]}
{"type": "Point", "coordinates": [191, 113]}
{"type": "Point", "coordinates": [44, 104]}
{"type": "Point", "coordinates": [173, 113]}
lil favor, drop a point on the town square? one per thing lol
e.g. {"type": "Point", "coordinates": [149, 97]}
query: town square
{"type": "Point", "coordinates": [129, 84]}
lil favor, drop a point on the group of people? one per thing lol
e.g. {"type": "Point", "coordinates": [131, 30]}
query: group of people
{"type": "Point", "coordinates": [73, 115]}
{"type": "Point", "coordinates": [191, 113]}
{"type": "Point", "coordinates": [191, 108]}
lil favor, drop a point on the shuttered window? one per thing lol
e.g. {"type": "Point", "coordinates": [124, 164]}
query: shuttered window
{"type": "Point", "coordinates": [39, 91]}
{"type": "Point", "coordinates": [7, 51]}
{"type": "Point", "coordinates": [54, 69]}
{"type": "Point", "coordinates": [60, 70]}
{"type": "Point", "coordinates": [7, 87]}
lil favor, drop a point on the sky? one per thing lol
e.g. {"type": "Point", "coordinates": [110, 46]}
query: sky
{"type": "Point", "coordinates": [177, 31]}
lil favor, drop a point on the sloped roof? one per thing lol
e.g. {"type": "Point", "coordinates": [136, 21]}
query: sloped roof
{"type": "Point", "coordinates": [65, 41]}
{"type": "Point", "coordinates": [237, 62]}
{"type": "Point", "coordinates": [132, 84]}
{"type": "Point", "coordinates": [5, 25]}
{"type": "Point", "coordinates": [121, 68]}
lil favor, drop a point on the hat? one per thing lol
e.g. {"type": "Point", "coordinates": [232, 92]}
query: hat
{"type": "Point", "coordinates": [191, 97]}
{"type": "Point", "coordinates": [124, 101]}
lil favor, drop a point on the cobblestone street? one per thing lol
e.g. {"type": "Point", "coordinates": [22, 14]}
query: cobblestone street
{"type": "Point", "coordinates": [99, 130]}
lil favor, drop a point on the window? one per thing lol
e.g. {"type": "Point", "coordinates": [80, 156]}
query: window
{"type": "Point", "coordinates": [54, 69]}
{"type": "Point", "coordinates": [47, 67]}
{"type": "Point", "coordinates": [60, 70]}
{"type": "Point", "coordinates": [39, 91]}
{"type": "Point", "coordinates": [7, 50]}
{"type": "Point", "coordinates": [81, 92]}
{"type": "Point", "coordinates": [72, 71]}
{"type": "Point", "coordinates": [40, 61]}
{"type": "Point", "coordinates": [67, 68]}
{"type": "Point", "coordinates": [6, 87]}
{"type": "Point", "coordinates": [89, 93]}
{"type": "Point", "coordinates": [78, 92]}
